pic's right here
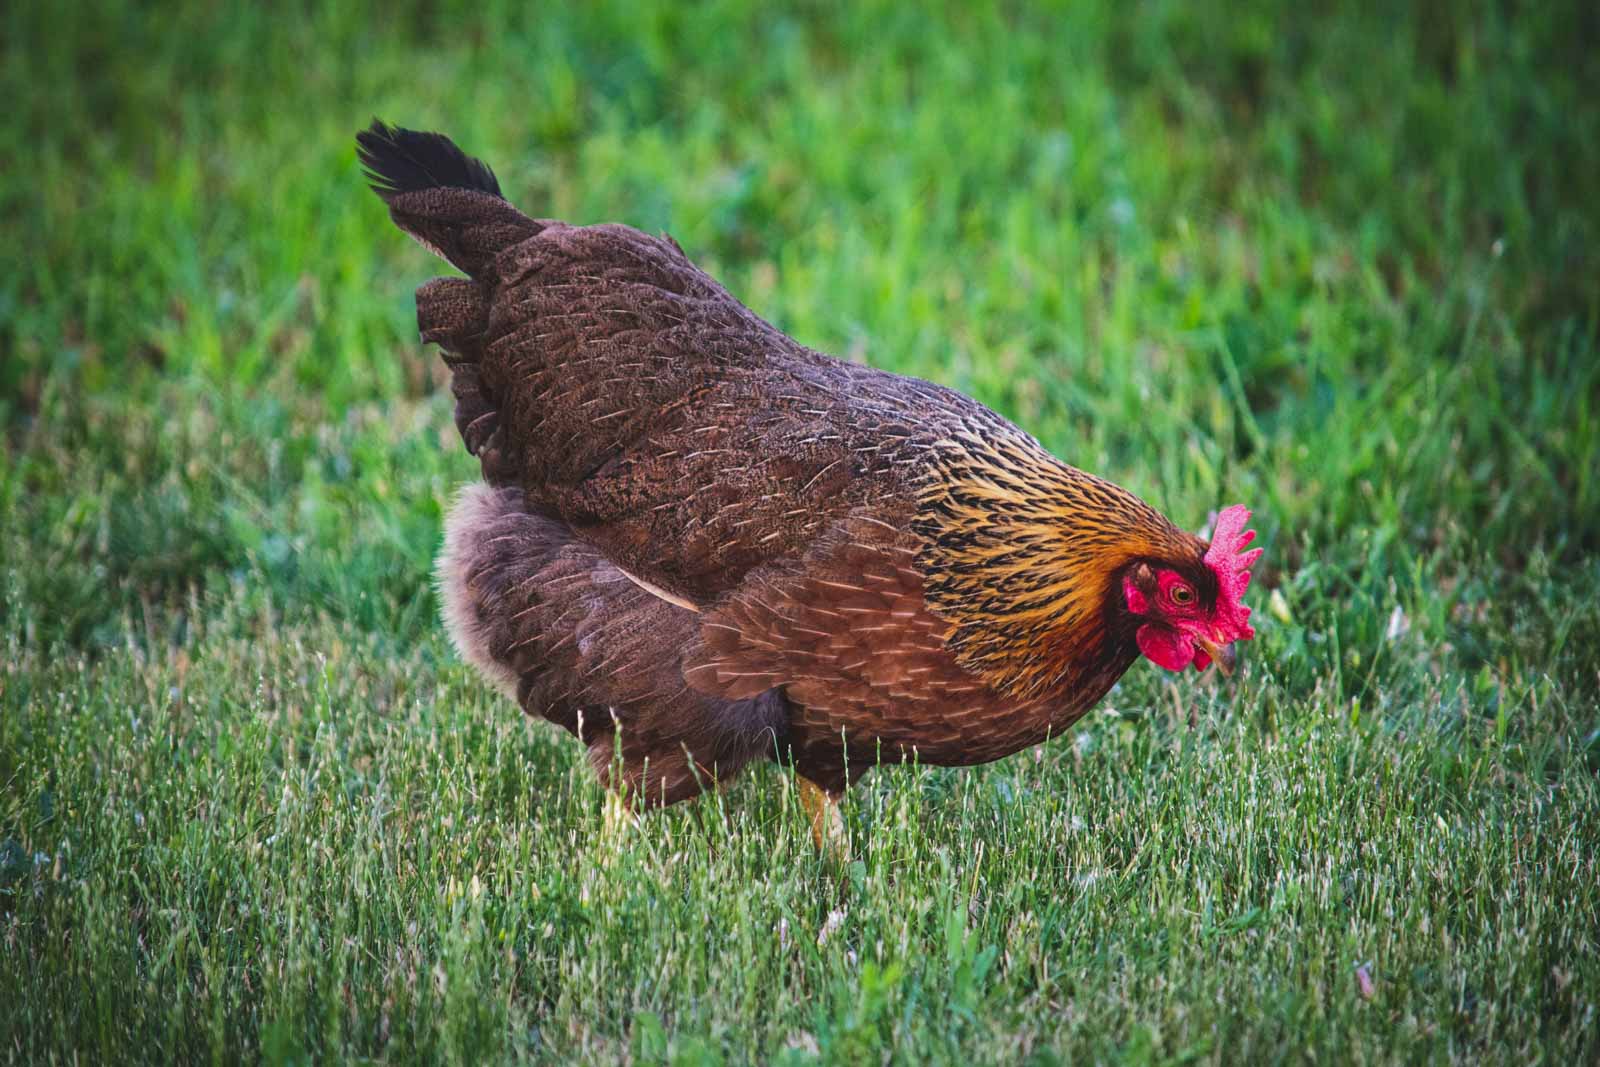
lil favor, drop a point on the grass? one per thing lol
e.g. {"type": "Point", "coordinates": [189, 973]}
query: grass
{"type": "Point", "coordinates": [1339, 266]}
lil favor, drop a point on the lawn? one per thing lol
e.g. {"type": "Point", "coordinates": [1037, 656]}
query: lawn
{"type": "Point", "coordinates": [1340, 266]}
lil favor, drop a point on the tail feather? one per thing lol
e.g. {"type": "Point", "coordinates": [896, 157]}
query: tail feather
{"type": "Point", "coordinates": [451, 203]}
{"type": "Point", "coordinates": [398, 160]}
{"type": "Point", "coordinates": [446, 199]}
{"type": "Point", "coordinates": [452, 313]}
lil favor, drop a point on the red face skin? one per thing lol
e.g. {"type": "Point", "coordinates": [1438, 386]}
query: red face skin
{"type": "Point", "coordinates": [1178, 630]}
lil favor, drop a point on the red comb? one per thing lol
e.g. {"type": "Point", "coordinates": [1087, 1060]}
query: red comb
{"type": "Point", "coordinates": [1230, 562]}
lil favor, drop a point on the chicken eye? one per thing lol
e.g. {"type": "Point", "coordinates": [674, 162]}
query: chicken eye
{"type": "Point", "coordinates": [1182, 595]}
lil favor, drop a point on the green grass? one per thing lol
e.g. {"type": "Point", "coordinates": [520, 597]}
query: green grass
{"type": "Point", "coordinates": [1340, 267]}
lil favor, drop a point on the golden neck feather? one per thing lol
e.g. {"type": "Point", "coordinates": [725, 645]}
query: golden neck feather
{"type": "Point", "coordinates": [1020, 552]}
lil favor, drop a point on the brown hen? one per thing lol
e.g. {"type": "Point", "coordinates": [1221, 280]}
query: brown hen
{"type": "Point", "coordinates": [699, 542]}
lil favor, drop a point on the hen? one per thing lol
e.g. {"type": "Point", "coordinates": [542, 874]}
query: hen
{"type": "Point", "coordinates": [698, 542]}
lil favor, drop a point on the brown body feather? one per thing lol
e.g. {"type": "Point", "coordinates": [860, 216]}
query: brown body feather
{"type": "Point", "coordinates": [714, 542]}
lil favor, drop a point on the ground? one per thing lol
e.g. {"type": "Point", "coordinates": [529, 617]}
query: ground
{"type": "Point", "coordinates": [1340, 267]}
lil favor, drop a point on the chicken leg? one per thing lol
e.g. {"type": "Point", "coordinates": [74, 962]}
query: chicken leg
{"type": "Point", "coordinates": [827, 821]}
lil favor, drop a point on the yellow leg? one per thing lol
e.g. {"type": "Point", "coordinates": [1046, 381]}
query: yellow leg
{"type": "Point", "coordinates": [616, 820]}
{"type": "Point", "coordinates": [827, 821]}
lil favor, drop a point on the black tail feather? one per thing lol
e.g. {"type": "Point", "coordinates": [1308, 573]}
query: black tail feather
{"type": "Point", "coordinates": [450, 202]}
{"type": "Point", "coordinates": [398, 160]}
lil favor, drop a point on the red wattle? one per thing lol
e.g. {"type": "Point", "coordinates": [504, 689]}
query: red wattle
{"type": "Point", "coordinates": [1165, 648]}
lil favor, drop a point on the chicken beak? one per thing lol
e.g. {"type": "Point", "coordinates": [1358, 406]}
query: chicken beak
{"type": "Point", "coordinates": [1222, 655]}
